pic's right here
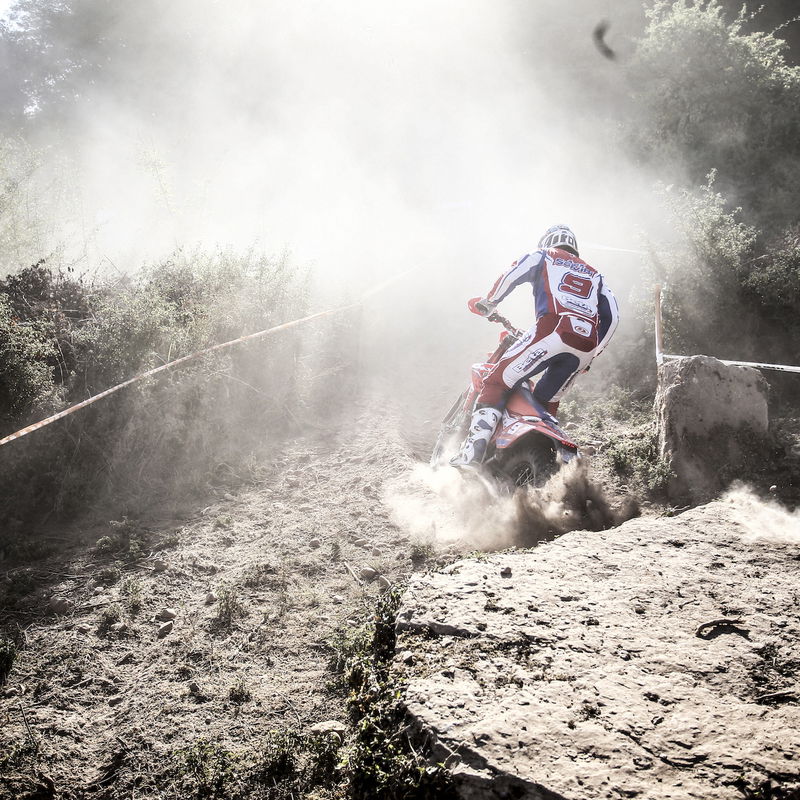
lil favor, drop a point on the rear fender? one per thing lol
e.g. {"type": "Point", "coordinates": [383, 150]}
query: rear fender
{"type": "Point", "coordinates": [512, 428]}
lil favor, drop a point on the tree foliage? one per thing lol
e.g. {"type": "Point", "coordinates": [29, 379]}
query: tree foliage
{"type": "Point", "coordinates": [719, 108]}
{"type": "Point", "coordinates": [716, 98]}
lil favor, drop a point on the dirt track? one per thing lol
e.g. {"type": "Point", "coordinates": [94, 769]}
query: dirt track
{"type": "Point", "coordinates": [109, 688]}
{"type": "Point", "coordinates": [107, 700]}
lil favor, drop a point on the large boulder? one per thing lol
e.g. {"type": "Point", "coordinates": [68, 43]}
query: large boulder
{"type": "Point", "coordinates": [656, 660]}
{"type": "Point", "coordinates": [712, 424]}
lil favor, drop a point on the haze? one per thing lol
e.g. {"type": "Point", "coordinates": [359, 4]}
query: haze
{"type": "Point", "coordinates": [363, 137]}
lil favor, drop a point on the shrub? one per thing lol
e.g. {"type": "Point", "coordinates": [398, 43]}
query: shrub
{"type": "Point", "coordinates": [714, 97]}
{"type": "Point", "coordinates": [717, 106]}
{"type": "Point", "coordinates": [159, 438]}
{"type": "Point", "coordinates": [382, 763]}
{"type": "Point", "coordinates": [27, 378]}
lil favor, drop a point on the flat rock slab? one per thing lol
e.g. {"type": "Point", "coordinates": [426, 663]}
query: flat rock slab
{"type": "Point", "coordinates": [655, 660]}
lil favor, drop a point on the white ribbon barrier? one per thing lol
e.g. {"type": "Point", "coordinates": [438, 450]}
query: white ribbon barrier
{"type": "Point", "coordinates": [178, 361]}
{"type": "Point", "coordinates": [661, 356]}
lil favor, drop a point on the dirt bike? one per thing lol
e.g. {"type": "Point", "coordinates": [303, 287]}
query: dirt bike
{"type": "Point", "coordinates": [525, 449]}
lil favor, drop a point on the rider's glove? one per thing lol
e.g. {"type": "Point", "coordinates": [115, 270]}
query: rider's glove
{"type": "Point", "coordinates": [480, 306]}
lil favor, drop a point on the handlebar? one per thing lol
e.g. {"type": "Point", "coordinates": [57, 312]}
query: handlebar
{"type": "Point", "coordinates": [495, 317]}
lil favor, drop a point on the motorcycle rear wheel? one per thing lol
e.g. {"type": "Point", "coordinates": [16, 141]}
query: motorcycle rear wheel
{"type": "Point", "coordinates": [530, 463]}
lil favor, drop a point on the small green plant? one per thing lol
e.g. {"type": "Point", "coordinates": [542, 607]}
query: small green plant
{"type": "Point", "coordinates": [229, 607]}
{"type": "Point", "coordinates": [279, 757]}
{"type": "Point", "coordinates": [209, 771]}
{"type": "Point", "coordinates": [126, 540]}
{"type": "Point", "coordinates": [421, 553]}
{"type": "Point", "coordinates": [169, 540]}
{"type": "Point", "coordinates": [105, 545]}
{"type": "Point", "coordinates": [8, 652]}
{"type": "Point", "coordinates": [636, 455]}
{"type": "Point", "coordinates": [109, 616]}
{"type": "Point", "coordinates": [131, 592]}
{"type": "Point", "coordinates": [107, 576]}
{"type": "Point", "coordinates": [257, 575]}
{"type": "Point", "coordinates": [382, 763]}
{"type": "Point", "coordinates": [17, 585]}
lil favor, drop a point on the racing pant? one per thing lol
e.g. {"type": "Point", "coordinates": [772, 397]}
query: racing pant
{"type": "Point", "coordinates": [560, 346]}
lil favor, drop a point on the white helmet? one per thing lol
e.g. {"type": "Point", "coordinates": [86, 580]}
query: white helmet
{"type": "Point", "coordinates": [559, 236]}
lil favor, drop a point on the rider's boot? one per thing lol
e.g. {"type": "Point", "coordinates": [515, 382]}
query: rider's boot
{"type": "Point", "coordinates": [481, 428]}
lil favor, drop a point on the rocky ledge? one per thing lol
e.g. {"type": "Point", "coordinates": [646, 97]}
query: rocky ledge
{"type": "Point", "coordinates": [656, 660]}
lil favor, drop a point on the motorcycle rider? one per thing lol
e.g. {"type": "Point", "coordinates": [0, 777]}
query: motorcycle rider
{"type": "Point", "coordinates": [576, 316]}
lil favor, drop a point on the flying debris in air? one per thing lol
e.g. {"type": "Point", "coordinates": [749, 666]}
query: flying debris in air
{"type": "Point", "coordinates": [599, 39]}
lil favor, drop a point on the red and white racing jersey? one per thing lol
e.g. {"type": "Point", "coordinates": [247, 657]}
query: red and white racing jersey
{"type": "Point", "coordinates": [563, 284]}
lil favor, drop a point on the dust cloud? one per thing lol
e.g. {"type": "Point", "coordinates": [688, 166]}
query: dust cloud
{"type": "Point", "coordinates": [362, 137]}
{"type": "Point", "coordinates": [763, 520]}
{"type": "Point", "coordinates": [445, 509]}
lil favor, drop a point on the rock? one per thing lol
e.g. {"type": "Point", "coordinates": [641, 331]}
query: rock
{"type": "Point", "coordinates": [166, 614]}
{"type": "Point", "coordinates": [115, 700]}
{"type": "Point", "coordinates": [368, 573]}
{"type": "Point", "coordinates": [314, 543]}
{"type": "Point", "coordinates": [119, 627]}
{"type": "Point", "coordinates": [60, 606]}
{"type": "Point", "coordinates": [376, 553]}
{"type": "Point", "coordinates": [773, 488]}
{"type": "Point", "coordinates": [228, 496]}
{"type": "Point", "coordinates": [360, 542]}
{"type": "Point", "coordinates": [628, 704]}
{"type": "Point", "coordinates": [158, 565]}
{"type": "Point", "coordinates": [211, 598]}
{"type": "Point", "coordinates": [83, 628]}
{"type": "Point", "coordinates": [12, 691]}
{"type": "Point", "coordinates": [330, 727]}
{"type": "Point", "coordinates": [384, 583]}
{"type": "Point", "coordinates": [165, 629]}
{"type": "Point", "coordinates": [337, 598]}
{"type": "Point", "coordinates": [708, 414]}
{"type": "Point", "coordinates": [505, 572]}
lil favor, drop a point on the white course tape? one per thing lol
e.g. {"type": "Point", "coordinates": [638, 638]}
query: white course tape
{"type": "Point", "coordinates": [595, 246]}
{"type": "Point", "coordinates": [178, 361]}
{"type": "Point", "coordinates": [169, 365]}
{"type": "Point", "coordinates": [661, 356]}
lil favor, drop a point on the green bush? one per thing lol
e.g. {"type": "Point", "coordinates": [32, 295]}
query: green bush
{"type": "Point", "coordinates": [381, 763]}
{"type": "Point", "coordinates": [26, 377]}
{"type": "Point", "coordinates": [67, 339]}
{"type": "Point", "coordinates": [714, 97]}
{"type": "Point", "coordinates": [716, 106]}
{"type": "Point", "coordinates": [704, 308]}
